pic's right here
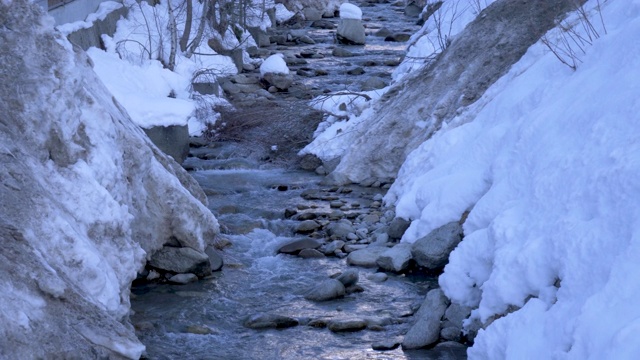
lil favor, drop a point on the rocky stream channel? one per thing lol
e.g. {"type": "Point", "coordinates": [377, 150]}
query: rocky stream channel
{"type": "Point", "coordinates": [303, 275]}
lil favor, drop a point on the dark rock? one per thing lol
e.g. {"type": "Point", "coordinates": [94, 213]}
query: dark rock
{"type": "Point", "coordinates": [267, 320]}
{"type": "Point", "coordinates": [280, 81]}
{"type": "Point", "coordinates": [426, 330]}
{"type": "Point", "coordinates": [373, 83]}
{"type": "Point", "coordinates": [173, 140]}
{"type": "Point", "coordinates": [305, 39]}
{"type": "Point", "coordinates": [347, 325]}
{"type": "Point", "coordinates": [384, 32]}
{"type": "Point", "coordinates": [340, 229]}
{"type": "Point", "coordinates": [307, 226]}
{"type": "Point", "coordinates": [323, 24]}
{"type": "Point", "coordinates": [396, 259]}
{"type": "Point", "coordinates": [356, 71]}
{"type": "Point", "coordinates": [412, 10]}
{"type": "Point", "coordinates": [398, 37]}
{"type": "Point", "coordinates": [366, 257]}
{"type": "Point", "coordinates": [214, 258]}
{"type": "Point", "coordinates": [327, 290]}
{"type": "Point", "coordinates": [397, 227]}
{"type": "Point", "coordinates": [299, 244]}
{"type": "Point", "coordinates": [349, 277]}
{"type": "Point", "coordinates": [305, 216]}
{"type": "Point", "coordinates": [432, 251]}
{"type": "Point", "coordinates": [310, 254]}
{"type": "Point", "coordinates": [181, 260]}
{"type": "Point", "coordinates": [309, 162]}
{"type": "Point", "coordinates": [341, 52]}
{"type": "Point", "coordinates": [330, 248]}
{"type": "Point", "coordinates": [384, 345]}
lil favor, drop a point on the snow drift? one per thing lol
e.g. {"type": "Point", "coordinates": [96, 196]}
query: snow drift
{"type": "Point", "coordinates": [85, 198]}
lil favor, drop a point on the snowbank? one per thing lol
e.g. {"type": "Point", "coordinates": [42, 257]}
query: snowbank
{"type": "Point", "coordinates": [85, 199]}
{"type": "Point", "coordinates": [548, 168]}
{"type": "Point", "coordinates": [350, 11]}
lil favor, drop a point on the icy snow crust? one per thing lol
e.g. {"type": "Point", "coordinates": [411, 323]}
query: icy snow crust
{"type": "Point", "coordinates": [549, 168]}
{"type": "Point", "coordinates": [350, 11]}
{"type": "Point", "coordinates": [85, 198]}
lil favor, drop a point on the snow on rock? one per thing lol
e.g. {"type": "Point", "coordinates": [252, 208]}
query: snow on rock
{"type": "Point", "coordinates": [549, 168]}
{"type": "Point", "coordinates": [274, 64]}
{"type": "Point", "coordinates": [350, 11]}
{"type": "Point", "coordinates": [86, 199]}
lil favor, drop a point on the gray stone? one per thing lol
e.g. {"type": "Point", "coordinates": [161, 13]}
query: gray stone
{"type": "Point", "coordinates": [207, 88]}
{"type": "Point", "coordinates": [378, 277]}
{"type": "Point", "coordinates": [426, 330]}
{"type": "Point", "coordinates": [295, 246]}
{"type": "Point", "coordinates": [412, 10]}
{"type": "Point", "coordinates": [396, 258]}
{"type": "Point", "coordinates": [397, 227]}
{"type": "Point", "coordinates": [384, 32]}
{"type": "Point", "coordinates": [323, 24]}
{"type": "Point", "coordinates": [307, 226]}
{"type": "Point", "coordinates": [181, 260]}
{"type": "Point", "coordinates": [355, 71]}
{"type": "Point", "coordinates": [367, 257]}
{"type": "Point", "coordinates": [280, 81]}
{"type": "Point", "coordinates": [267, 320]}
{"type": "Point", "coordinates": [260, 36]}
{"type": "Point", "coordinates": [351, 32]}
{"type": "Point", "coordinates": [347, 325]}
{"type": "Point", "coordinates": [305, 39]}
{"type": "Point", "coordinates": [373, 83]}
{"type": "Point", "coordinates": [340, 229]}
{"type": "Point", "coordinates": [183, 279]}
{"type": "Point", "coordinates": [341, 52]}
{"type": "Point", "coordinates": [310, 254]}
{"type": "Point", "coordinates": [349, 277]}
{"type": "Point", "coordinates": [309, 162]}
{"type": "Point", "coordinates": [456, 314]}
{"type": "Point", "coordinates": [349, 248]}
{"type": "Point", "coordinates": [398, 37]}
{"type": "Point", "coordinates": [387, 344]}
{"type": "Point", "coordinates": [214, 258]}
{"type": "Point", "coordinates": [330, 248]}
{"type": "Point", "coordinates": [432, 251]}
{"type": "Point", "coordinates": [451, 333]}
{"type": "Point", "coordinates": [173, 140]}
{"type": "Point", "coordinates": [327, 290]}
{"type": "Point", "coordinates": [311, 14]}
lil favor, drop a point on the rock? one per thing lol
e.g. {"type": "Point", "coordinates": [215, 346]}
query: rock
{"type": "Point", "coordinates": [330, 248]}
{"type": "Point", "coordinates": [347, 325]}
{"type": "Point", "coordinates": [412, 10]}
{"type": "Point", "coordinates": [260, 36]}
{"type": "Point", "coordinates": [323, 24]}
{"type": "Point", "coordinates": [432, 251]}
{"type": "Point", "coordinates": [327, 290]}
{"type": "Point", "coordinates": [267, 320]}
{"type": "Point", "coordinates": [396, 258]}
{"type": "Point", "coordinates": [426, 330]}
{"type": "Point", "coordinates": [384, 345]}
{"type": "Point", "coordinates": [349, 277]}
{"type": "Point", "coordinates": [289, 213]}
{"type": "Point", "coordinates": [456, 314]}
{"type": "Point", "coordinates": [181, 260]}
{"type": "Point", "coordinates": [451, 333]}
{"type": "Point", "coordinates": [215, 259]}
{"type": "Point", "coordinates": [307, 226]}
{"type": "Point", "coordinates": [397, 227]}
{"type": "Point", "coordinates": [199, 330]}
{"type": "Point", "coordinates": [183, 278]}
{"type": "Point", "coordinates": [378, 277]}
{"type": "Point", "coordinates": [280, 81]}
{"type": "Point", "coordinates": [310, 254]}
{"type": "Point", "coordinates": [351, 32]}
{"type": "Point", "coordinates": [305, 39]}
{"type": "Point", "coordinates": [340, 229]}
{"type": "Point", "coordinates": [299, 244]}
{"type": "Point", "coordinates": [373, 83]}
{"type": "Point", "coordinates": [366, 257]}
{"type": "Point", "coordinates": [311, 14]}
{"type": "Point", "coordinates": [173, 140]}
{"type": "Point", "coordinates": [353, 247]}
{"type": "Point", "coordinates": [398, 37]}
{"type": "Point", "coordinates": [370, 219]}
{"type": "Point", "coordinates": [309, 162]}
{"type": "Point", "coordinates": [384, 32]}
{"type": "Point", "coordinates": [336, 204]}
{"type": "Point", "coordinates": [341, 52]}
{"type": "Point", "coordinates": [305, 216]}
{"type": "Point", "coordinates": [356, 71]}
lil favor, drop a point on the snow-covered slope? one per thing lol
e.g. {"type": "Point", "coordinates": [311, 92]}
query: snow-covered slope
{"type": "Point", "coordinates": [85, 197]}
{"type": "Point", "coordinates": [549, 168]}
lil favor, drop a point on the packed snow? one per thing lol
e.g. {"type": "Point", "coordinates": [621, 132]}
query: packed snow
{"type": "Point", "coordinates": [350, 11]}
{"type": "Point", "coordinates": [274, 64]}
{"type": "Point", "coordinates": [548, 169]}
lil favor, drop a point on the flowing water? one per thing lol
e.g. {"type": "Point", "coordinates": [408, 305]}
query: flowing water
{"type": "Point", "coordinates": [204, 320]}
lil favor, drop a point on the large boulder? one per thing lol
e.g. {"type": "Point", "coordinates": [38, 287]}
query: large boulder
{"type": "Point", "coordinates": [395, 259]}
{"type": "Point", "coordinates": [350, 32]}
{"type": "Point", "coordinates": [173, 140]}
{"type": "Point", "coordinates": [181, 260]}
{"type": "Point", "coordinates": [426, 330]}
{"type": "Point", "coordinates": [432, 251]}
{"type": "Point", "coordinates": [367, 257]}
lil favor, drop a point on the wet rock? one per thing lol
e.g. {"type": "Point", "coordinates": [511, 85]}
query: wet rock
{"type": "Point", "coordinates": [457, 313]}
{"type": "Point", "coordinates": [366, 257]}
{"type": "Point", "coordinates": [349, 278]}
{"type": "Point", "coordinates": [378, 277]}
{"type": "Point", "coordinates": [322, 24]}
{"type": "Point", "coordinates": [327, 290]}
{"type": "Point", "coordinates": [341, 52]}
{"type": "Point", "coordinates": [289, 213]}
{"type": "Point", "coordinates": [351, 32]}
{"type": "Point", "coordinates": [384, 32]}
{"type": "Point", "coordinates": [199, 330]}
{"type": "Point", "coordinates": [349, 248]}
{"type": "Point", "coordinates": [432, 251]}
{"type": "Point", "coordinates": [215, 259]}
{"type": "Point", "coordinates": [396, 258]}
{"type": "Point", "coordinates": [305, 39]}
{"type": "Point", "coordinates": [356, 71]}
{"type": "Point", "coordinates": [181, 260]}
{"type": "Point", "coordinates": [373, 83]}
{"type": "Point", "coordinates": [318, 323]}
{"type": "Point", "coordinates": [298, 245]}
{"type": "Point", "coordinates": [370, 219]}
{"type": "Point", "coordinates": [412, 10]}
{"type": "Point", "coordinates": [385, 345]}
{"type": "Point", "coordinates": [305, 216]}
{"type": "Point", "coordinates": [307, 226]}
{"type": "Point", "coordinates": [280, 81]}
{"type": "Point", "coordinates": [260, 36]}
{"type": "Point", "coordinates": [332, 247]}
{"type": "Point", "coordinates": [311, 14]}
{"type": "Point", "coordinates": [397, 227]}
{"type": "Point", "coordinates": [347, 325]}
{"type": "Point", "coordinates": [310, 254]}
{"type": "Point", "coordinates": [426, 330]}
{"type": "Point", "coordinates": [340, 229]}
{"type": "Point", "coordinates": [267, 320]}
{"type": "Point", "coordinates": [182, 279]}
{"type": "Point", "coordinates": [336, 204]}
{"type": "Point", "coordinates": [398, 37]}
{"type": "Point", "coordinates": [451, 333]}
{"type": "Point", "coordinates": [309, 162]}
